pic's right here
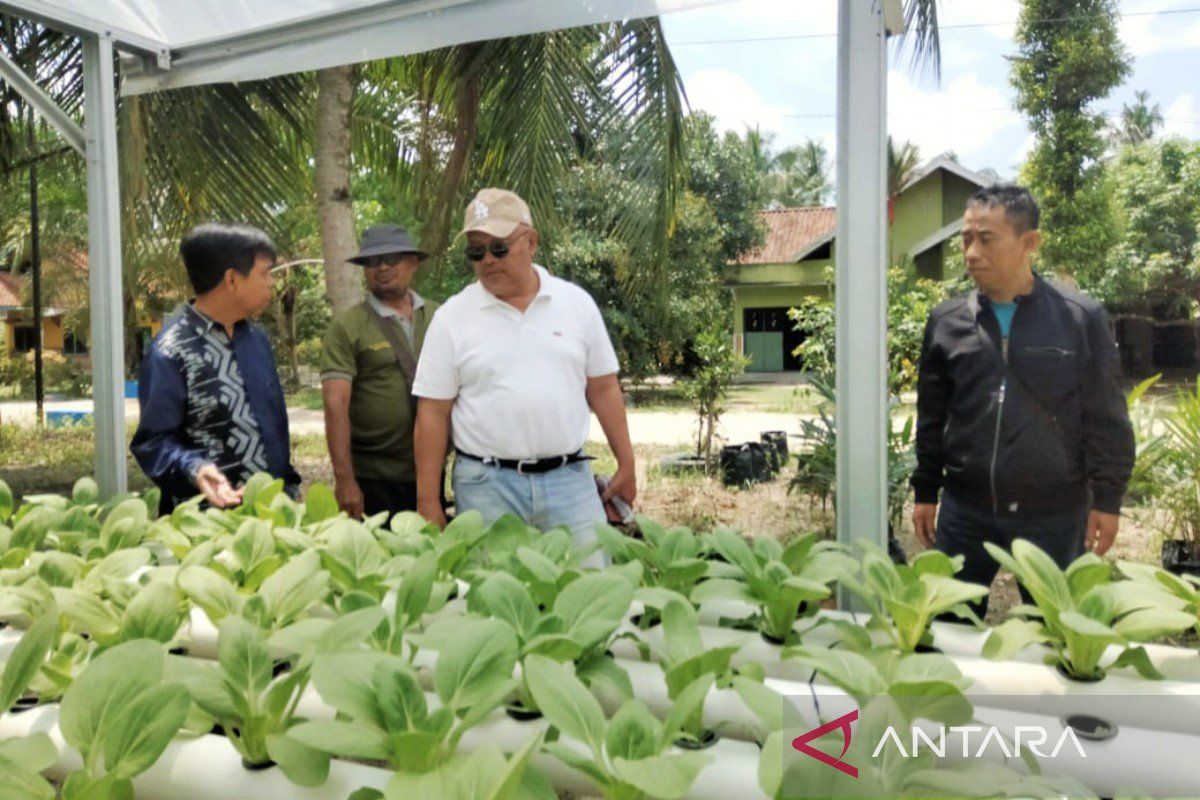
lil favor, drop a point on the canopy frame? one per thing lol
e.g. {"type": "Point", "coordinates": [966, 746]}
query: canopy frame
{"type": "Point", "coordinates": [861, 255]}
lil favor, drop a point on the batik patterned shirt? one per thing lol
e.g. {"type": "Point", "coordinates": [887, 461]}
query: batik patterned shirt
{"type": "Point", "coordinates": [208, 398]}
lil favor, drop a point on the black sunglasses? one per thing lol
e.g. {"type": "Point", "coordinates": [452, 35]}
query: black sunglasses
{"type": "Point", "coordinates": [391, 259]}
{"type": "Point", "coordinates": [497, 247]}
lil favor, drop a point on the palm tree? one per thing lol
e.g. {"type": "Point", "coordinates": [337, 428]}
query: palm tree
{"type": "Point", "coordinates": [799, 176]}
{"type": "Point", "coordinates": [1138, 122]}
{"type": "Point", "coordinates": [902, 163]}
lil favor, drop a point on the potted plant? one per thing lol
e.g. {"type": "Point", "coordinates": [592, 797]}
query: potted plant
{"type": "Point", "coordinates": [1079, 612]}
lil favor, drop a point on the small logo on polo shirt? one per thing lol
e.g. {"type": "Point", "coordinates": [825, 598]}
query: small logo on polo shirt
{"type": "Point", "coordinates": [557, 333]}
{"type": "Point", "coordinates": [481, 210]}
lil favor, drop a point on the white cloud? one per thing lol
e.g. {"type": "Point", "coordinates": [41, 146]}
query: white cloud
{"type": "Point", "coordinates": [965, 115]}
{"type": "Point", "coordinates": [1146, 32]}
{"type": "Point", "coordinates": [733, 100]}
{"type": "Point", "coordinates": [1182, 117]}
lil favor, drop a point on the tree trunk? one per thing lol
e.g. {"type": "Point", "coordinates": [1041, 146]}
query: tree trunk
{"type": "Point", "coordinates": [343, 280]}
{"type": "Point", "coordinates": [466, 115]}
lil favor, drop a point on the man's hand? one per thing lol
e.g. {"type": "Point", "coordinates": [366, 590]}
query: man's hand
{"type": "Point", "coordinates": [1101, 531]}
{"type": "Point", "coordinates": [925, 523]}
{"type": "Point", "coordinates": [432, 511]}
{"type": "Point", "coordinates": [349, 497]}
{"type": "Point", "coordinates": [623, 484]}
{"type": "Point", "coordinates": [215, 487]}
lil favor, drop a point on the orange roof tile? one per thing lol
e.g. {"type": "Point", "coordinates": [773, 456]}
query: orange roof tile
{"type": "Point", "coordinates": [10, 291]}
{"type": "Point", "coordinates": [789, 232]}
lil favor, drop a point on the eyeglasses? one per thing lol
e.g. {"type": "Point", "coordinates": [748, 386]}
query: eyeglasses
{"type": "Point", "coordinates": [497, 247]}
{"type": "Point", "coordinates": [391, 259]}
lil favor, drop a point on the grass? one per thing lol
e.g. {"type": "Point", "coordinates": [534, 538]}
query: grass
{"type": "Point", "coordinates": [765, 398]}
{"type": "Point", "coordinates": [308, 397]}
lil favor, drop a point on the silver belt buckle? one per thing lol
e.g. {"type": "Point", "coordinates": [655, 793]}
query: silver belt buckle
{"type": "Point", "coordinates": [522, 462]}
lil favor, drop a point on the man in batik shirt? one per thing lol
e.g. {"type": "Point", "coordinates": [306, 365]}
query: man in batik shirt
{"type": "Point", "coordinates": [212, 408]}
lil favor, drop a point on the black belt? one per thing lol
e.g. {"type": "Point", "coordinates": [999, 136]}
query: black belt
{"type": "Point", "coordinates": [527, 466]}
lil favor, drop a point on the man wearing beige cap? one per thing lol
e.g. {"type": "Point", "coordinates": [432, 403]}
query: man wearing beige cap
{"type": "Point", "coordinates": [513, 364]}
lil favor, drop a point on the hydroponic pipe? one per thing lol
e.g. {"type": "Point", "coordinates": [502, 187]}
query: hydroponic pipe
{"type": "Point", "coordinates": [201, 768]}
{"type": "Point", "coordinates": [1001, 684]}
{"type": "Point", "coordinates": [1134, 762]}
{"type": "Point", "coordinates": [1175, 663]}
{"type": "Point", "coordinates": [208, 767]}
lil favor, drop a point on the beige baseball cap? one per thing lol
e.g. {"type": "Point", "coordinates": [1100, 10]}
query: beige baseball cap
{"type": "Point", "coordinates": [496, 212]}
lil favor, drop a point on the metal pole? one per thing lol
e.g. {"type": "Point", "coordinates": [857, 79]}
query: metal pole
{"type": "Point", "coordinates": [104, 264]}
{"type": "Point", "coordinates": [861, 288]}
{"type": "Point", "coordinates": [35, 269]}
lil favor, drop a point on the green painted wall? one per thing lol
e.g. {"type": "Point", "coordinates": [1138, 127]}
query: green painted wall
{"type": "Point", "coordinates": [955, 194]}
{"type": "Point", "coordinates": [922, 210]}
{"type": "Point", "coordinates": [808, 273]}
{"type": "Point", "coordinates": [918, 214]}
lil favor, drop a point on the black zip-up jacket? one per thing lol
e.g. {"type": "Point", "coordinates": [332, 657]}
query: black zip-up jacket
{"type": "Point", "coordinates": [1046, 429]}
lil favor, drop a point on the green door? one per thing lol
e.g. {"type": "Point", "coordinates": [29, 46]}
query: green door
{"type": "Point", "coordinates": [765, 351]}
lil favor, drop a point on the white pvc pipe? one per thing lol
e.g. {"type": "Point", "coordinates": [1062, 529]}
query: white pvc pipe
{"type": "Point", "coordinates": [201, 768]}
{"type": "Point", "coordinates": [1175, 663]}
{"type": "Point", "coordinates": [208, 767]}
{"type": "Point", "coordinates": [9, 637]}
{"type": "Point", "coordinates": [1158, 764]}
{"type": "Point", "coordinates": [1009, 684]}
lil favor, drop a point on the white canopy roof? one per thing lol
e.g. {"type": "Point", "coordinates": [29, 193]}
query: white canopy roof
{"type": "Point", "coordinates": [189, 42]}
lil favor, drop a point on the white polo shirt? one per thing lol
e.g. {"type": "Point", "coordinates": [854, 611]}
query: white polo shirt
{"type": "Point", "coordinates": [518, 379]}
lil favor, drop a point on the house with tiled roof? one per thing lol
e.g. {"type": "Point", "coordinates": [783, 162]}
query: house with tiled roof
{"type": "Point", "coordinates": [795, 260]}
{"type": "Point", "coordinates": [65, 300]}
{"type": "Point", "coordinates": [17, 320]}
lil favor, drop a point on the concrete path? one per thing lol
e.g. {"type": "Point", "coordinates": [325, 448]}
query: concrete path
{"type": "Point", "coordinates": [645, 427]}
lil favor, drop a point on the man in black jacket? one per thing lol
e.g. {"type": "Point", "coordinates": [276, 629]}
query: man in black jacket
{"type": "Point", "coordinates": [1021, 423]}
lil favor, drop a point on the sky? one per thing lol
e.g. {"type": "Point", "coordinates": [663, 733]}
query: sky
{"type": "Point", "coordinates": [771, 64]}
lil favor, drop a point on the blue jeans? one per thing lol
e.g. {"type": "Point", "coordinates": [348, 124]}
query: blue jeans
{"type": "Point", "coordinates": [564, 497]}
{"type": "Point", "coordinates": [962, 529]}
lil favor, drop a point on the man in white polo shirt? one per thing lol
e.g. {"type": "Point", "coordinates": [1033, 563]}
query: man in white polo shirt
{"type": "Point", "coordinates": [513, 365]}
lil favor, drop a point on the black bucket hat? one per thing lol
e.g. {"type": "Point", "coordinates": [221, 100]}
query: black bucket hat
{"type": "Point", "coordinates": [379, 240]}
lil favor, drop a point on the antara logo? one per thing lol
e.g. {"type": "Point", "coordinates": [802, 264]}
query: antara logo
{"type": "Point", "coordinates": [1031, 738]}
{"type": "Point", "coordinates": [843, 722]}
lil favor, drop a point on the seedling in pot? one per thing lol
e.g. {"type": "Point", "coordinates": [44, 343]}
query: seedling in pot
{"type": "Point", "coordinates": [355, 560]}
{"type": "Point", "coordinates": [685, 659]}
{"type": "Point", "coordinates": [120, 715]}
{"type": "Point", "coordinates": [671, 559]}
{"type": "Point", "coordinates": [411, 535]}
{"type": "Point", "coordinates": [628, 757]}
{"type": "Point", "coordinates": [1079, 612]}
{"type": "Point", "coordinates": [241, 693]}
{"type": "Point", "coordinates": [1184, 589]}
{"type": "Point", "coordinates": [285, 596]}
{"type": "Point", "coordinates": [785, 583]}
{"type": "Point", "coordinates": [383, 714]}
{"type": "Point", "coordinates": [578, 627]}
{"type": "Point", "coordinates": [905, 599]}
{"type": "Point", "coordinates": [22, 759]}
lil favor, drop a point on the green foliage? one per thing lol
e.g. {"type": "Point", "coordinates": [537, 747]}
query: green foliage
{"type": "Point", "coordinates": [816, 463]}
{"type": "Point", "coordinates": [905, 599]}
{"type": "Point", "coordinates": [1154, 265]}
{"type": "Point", "coordinates": [626, 756]}
{"type": "Point", "coordinates": [910, 299]}
{"type": "Point", "coordinates": [120, 715]}
{"type": "Point", "coordinates": [708, 386]}
{"type": "Point", "coordinates": [1069, 55]}
{"type": "Point", "coordinates": [1079, 612]}
{"type": "Point", "coordinates": [785, 584]}
{"type": "Point", "coordinates": [385, 714]}
{"type": "Point", "coordinates": [654, 325]}
{"type": "Point", "coordinates": [1179, 467]}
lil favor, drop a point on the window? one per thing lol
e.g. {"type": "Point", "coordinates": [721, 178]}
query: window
{"type": "Point", "coordinates": [74, 345]}
{"type": "Point", "coordinates": [23, 339]}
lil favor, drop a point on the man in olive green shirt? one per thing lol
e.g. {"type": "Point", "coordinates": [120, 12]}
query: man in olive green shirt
{"type": "Point", "coordinates": [367, 363]}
